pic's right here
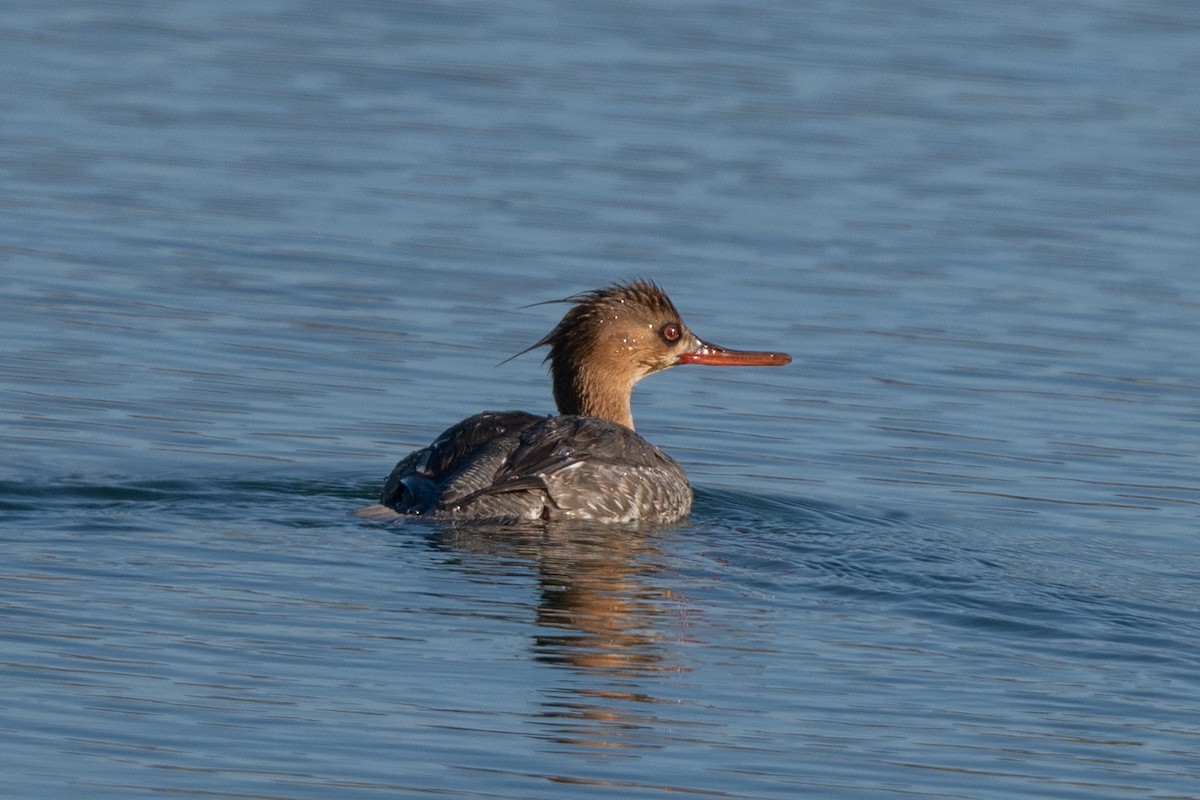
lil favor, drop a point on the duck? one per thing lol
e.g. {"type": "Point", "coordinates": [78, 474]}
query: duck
{"type": "Point", "coordinates": [587, 462]}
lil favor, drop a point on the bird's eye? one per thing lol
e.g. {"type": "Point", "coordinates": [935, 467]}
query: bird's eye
{"type": "Point", "coordinates": [670, 332]}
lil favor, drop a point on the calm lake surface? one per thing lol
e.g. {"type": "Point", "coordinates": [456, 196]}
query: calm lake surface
{"type": "Point", "coordinates": [253, 253]}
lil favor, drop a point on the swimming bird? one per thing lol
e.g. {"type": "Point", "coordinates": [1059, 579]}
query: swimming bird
{"type": "Point", "coordinates": [586, 463]}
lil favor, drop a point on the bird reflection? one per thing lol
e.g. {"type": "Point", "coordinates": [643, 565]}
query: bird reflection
{"type": "Point", "coordinates": [601, 617]}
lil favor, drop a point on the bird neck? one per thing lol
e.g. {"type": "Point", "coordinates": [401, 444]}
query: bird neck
{"type": "Point", "coordinates": [593, 392]}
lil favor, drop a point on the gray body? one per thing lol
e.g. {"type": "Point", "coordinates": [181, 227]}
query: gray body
{"type": "Point", "coordinates": [515, 466]}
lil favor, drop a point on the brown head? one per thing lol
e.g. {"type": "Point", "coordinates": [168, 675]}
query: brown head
{"type": "Point", "coordinates": [615, 336]}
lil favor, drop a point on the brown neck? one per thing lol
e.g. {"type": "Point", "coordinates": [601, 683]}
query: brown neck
{"type": "Point", "coordinates": [592, 393]}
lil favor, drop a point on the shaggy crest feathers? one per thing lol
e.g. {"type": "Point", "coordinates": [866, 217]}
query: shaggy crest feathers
{"type": "Point", "coordinates": [604, 305]}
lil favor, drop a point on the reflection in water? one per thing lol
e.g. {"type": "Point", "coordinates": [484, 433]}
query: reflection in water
{"type": "Point", "coordinates": [602, 618]}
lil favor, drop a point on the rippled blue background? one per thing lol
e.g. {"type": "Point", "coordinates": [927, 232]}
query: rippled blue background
{"type": "Point", "coordinates": [252, 253]}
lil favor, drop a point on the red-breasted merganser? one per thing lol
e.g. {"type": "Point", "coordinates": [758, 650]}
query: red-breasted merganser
{"type": "Point", "coordinates": [587, 463]}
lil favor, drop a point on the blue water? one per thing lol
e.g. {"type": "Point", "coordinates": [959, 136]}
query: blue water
{"type": "Point", "coordinates": [253, 253]}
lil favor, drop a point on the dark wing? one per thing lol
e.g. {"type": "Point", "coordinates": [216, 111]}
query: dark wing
{"type": "Point", "coordinates": [558, 442]}
{"type": "Point", "coordinates": [418, 481]}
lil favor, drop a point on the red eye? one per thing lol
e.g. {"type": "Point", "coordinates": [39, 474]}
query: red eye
{"type": "Point", "coordinates": [671, 332]}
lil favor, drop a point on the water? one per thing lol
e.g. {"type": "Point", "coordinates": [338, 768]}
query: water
{"type": "Point", "coordinates": [252, 254]}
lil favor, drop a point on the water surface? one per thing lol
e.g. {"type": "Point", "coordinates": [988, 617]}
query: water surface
{"type": "Point", "coordinates": [251, 255]}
